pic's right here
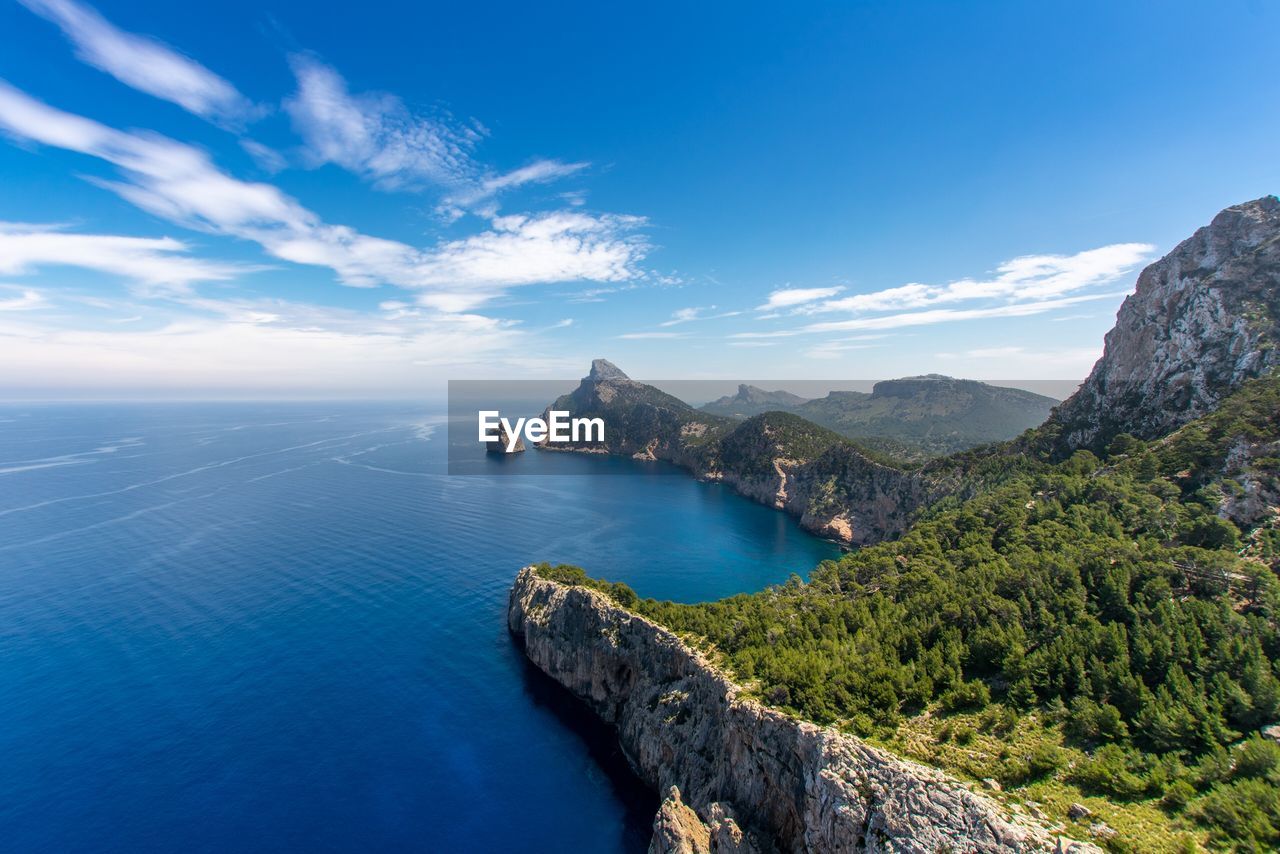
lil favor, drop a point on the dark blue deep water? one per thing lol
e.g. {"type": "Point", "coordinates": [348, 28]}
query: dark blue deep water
{"type": "Point", "coordinates": [281, 627]}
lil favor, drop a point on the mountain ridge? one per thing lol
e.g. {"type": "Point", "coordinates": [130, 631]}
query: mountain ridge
{"type": "Point", "coordinates": [1088, 613]}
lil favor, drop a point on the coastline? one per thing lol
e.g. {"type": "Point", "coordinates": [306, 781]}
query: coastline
{"type": "Point", "coordinates": [686, 724]}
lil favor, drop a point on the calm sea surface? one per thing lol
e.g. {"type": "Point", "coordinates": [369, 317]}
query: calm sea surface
{"type": "Point", "coordinates": [269, 627]}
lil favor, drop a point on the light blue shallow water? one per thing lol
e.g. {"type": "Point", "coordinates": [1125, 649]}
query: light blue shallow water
{"type": "Point", "coordinates": [261, 628]}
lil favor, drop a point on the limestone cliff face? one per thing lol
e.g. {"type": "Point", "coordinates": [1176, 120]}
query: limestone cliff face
{"type": "Point", "coordinates": [834, 489]}
{"type": "Point", "coordinates": [793, 786]}
{"type": "Point", "coordinates": [1202, 320]}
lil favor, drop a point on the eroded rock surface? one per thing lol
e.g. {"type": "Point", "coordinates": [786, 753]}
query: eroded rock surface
{"type": "Point", "coordinates": [794, 786]}
{"type": "Point", "coordinates": [1202, 320]}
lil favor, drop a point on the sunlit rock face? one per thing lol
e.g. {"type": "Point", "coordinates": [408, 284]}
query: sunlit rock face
{"type": "Point", "coordinates": [1202, 321]}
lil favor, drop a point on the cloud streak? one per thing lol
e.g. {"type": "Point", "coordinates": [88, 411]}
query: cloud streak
{"type": "Point", "coordinates": [26, 299]}
{"type": "Point", "coordinates": [947, 315]}
{"type": "Point", "coordinates": [1027, 278]}
{"type": "Point", "coordinates": [144, 63]}
{"type": "Point", "coordinates": [179, 183]}
{"type": "Point", "coordinates": [374, 134]}
{"type": "Point", "coordinates": [791, 297]}
{"type": "Point", "coordinates": [155, 264]}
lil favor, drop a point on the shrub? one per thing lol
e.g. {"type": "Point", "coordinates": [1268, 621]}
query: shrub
{"type": "Point", "coordinates": [966, 695]}
{"type": "Point", "coordinates": [1246, 810]}
{"type": "Point", "coordinates": [1107, 772]}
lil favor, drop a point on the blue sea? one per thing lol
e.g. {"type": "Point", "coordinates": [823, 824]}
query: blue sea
{"type": "Point", "coordinates": [250, 627]}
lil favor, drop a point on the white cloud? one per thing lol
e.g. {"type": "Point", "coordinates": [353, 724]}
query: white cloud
{"type": "Point", "coordinates": [485, 189]}
{"type": "Point", "coordinates": [643, 336]}
{"type": "Point", "coordinates": [788, 297]}
{"type": "Point", "coordinates": [947, 315]}
{"type": "Point", "coordinates": [179, 183]}
{"type": "Point", "coordinates": [374, 134]}
{"type": "Point", "coordinates": [26, 299]}
{"type": "Point", "coordinates": [265, 156]}
{"type": "Point", "coordinates": [156, 264]}
{"type": "Point", "coordinates": [143, 63]}
{"type": "Point", "coordinates": [1027, 278]}
{"type": "Point", "coordinates": [687, 315]}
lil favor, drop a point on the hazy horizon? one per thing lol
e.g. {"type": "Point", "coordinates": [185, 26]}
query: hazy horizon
{"type": "Point", "coordinates": [218, 202]}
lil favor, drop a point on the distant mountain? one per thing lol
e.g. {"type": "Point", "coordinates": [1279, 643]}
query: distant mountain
{"type": "Point", "coordinates": [932, 415]}
{"type": "Point", "coordinates": [910, 419]}
{"type": "Point", "coordinates": [751, 400]}
{"type": "Point", "coordinates": [777, 458]}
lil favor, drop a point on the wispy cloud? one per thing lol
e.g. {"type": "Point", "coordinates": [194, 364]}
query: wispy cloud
{"type": "Point", "coordinates": [1029, 278]}
{"type": "Point", "coordinates": [154, 264]}
{"type": "Point", "coordinates": [947, 315]}
{"type": "Point", "coordinates": [522, 250]}
{"type": "Point", "coordinates": [688, 315]}
{"type": "Point", "coordinates": [144, 63]}
{"type": "Point", "coordinates": [26, 299]}
{"type": "Point", "coordinates": [790, 297]}
{"type": "Point", "coordinates": [486, 188]}
{"type": "Point", "coordinates": [180, 183]}
{"type": "Point", "coordinates": [643, 336]}
{"type": "Point", "coordinates": [374, 134]}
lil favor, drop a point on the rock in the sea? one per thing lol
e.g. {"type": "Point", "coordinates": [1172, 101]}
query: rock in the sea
{"type": "Point", "coordinates": [792, 785]}
{"type": "Point", "coordinates": [1203, 319]}
{"type": "Point", "coordinates": [504, 439]}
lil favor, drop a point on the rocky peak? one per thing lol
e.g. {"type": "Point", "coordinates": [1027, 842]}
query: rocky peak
{"type": "Point", "coordinates": [1202, 320]}
{"type": "Point", "coordinates": [602, 370]}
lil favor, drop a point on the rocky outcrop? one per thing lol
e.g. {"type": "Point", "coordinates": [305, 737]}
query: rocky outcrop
{"type": "Point", "coordinates": [831, 486]}
{"type": "Point", "coordinates": [503, 444]}
{"type": "Point", "coordinates": [776, 458]}
{"type": "Point", "coordinates": [1202, 320]}
{"type": "Point", "coordinates": [794, 786]}
{"type": "Point", "coordinates": [677, 829]}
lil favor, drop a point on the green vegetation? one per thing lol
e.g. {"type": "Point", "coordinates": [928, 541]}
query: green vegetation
{"type": "Point", "coordinates": [909, 420]}
{"type": "Point", "coordinates": [1093, 628]}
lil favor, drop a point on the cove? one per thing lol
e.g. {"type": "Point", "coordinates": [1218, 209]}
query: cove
{"type": "Point", "coordinates": [256, 627]}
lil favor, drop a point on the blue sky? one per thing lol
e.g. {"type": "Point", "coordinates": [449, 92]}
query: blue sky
{"type": "Point", "coordinates": [315, 199]}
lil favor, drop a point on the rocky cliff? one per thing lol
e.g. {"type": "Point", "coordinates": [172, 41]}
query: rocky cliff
{"type": "Point", "coordinates": [1202, 320]}
{"type": "Point", "coordinates": [778, 459]}
{"type": "Point", "coordinates": [692, 733]}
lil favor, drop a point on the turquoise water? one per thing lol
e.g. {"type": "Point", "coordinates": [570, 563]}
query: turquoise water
{"type": "Point", "coordinates": [281, 627]}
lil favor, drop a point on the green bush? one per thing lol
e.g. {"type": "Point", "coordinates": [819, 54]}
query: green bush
{"type": "Point", "coordinates": [1108, 772]}
{"type": "Point", "coordinates": [966, 696]}
{"type": "Point", "coordinates": [1246, 811]}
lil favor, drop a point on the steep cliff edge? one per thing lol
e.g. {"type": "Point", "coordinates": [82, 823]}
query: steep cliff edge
{"type": "Point", "coordinates": [686, 724]}
{"type": "Point", "coordinates": [1202, 320]}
